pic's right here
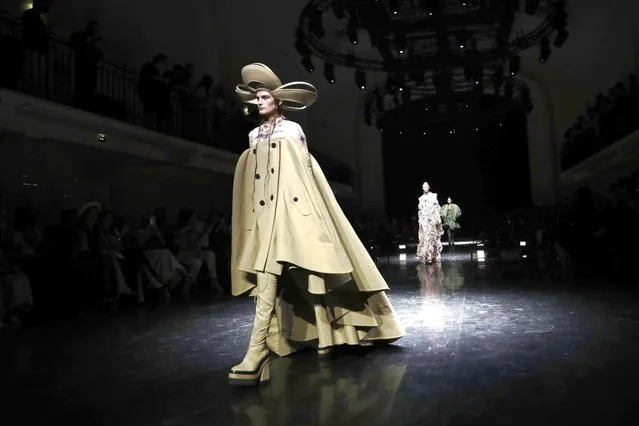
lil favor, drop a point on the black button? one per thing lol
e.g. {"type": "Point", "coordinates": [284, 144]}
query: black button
{"type": "Point", "coordinates": [257, 176]}
{"type": "Point", "coordinates": [262, 203]}
{"type": "Point", "coordinates": [271, 198]}
{"type": "Point", "coordinates": [272, 170]}
{"type": "Point", "coordinates": [295, 199]}
{"type": "Point", "coordinates": [254, 150]}
{"type": "Point", "coordinates": [273, 145]}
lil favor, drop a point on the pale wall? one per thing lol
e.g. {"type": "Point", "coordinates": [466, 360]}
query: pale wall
{"type": "Point", "coordinates": [603, 48]}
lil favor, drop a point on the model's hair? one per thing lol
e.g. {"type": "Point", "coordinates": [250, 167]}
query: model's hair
{"type": "Point", "coordinates": [425, 183]}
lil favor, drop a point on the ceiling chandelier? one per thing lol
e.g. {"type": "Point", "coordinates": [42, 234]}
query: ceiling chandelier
{"type": "Point", "coordinates": [438, 52]}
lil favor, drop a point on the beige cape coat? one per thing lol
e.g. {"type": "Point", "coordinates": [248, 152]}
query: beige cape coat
{"type": "Point", "coordinates": [286, 221]}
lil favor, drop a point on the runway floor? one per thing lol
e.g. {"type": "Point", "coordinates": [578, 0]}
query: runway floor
{"type": "Point", "coordinates": [485, 346]}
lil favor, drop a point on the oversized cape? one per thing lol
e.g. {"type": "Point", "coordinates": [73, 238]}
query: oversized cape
{"type": "Point", "coordinates": [330, 291]}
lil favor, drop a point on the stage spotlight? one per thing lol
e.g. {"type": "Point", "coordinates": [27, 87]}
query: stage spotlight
{"type": "Point", "coordinates": [307, 63]}
{"type": "Point", "coordinates": [394, 6]}
{"type": "Point", "coordinates": [514, 65]}
{"type": "Point", "coordinates": [329, 72]}
{"type": "Point", "coordinates": [351, 30]}
{"type": "Point", "coordinates": [544, 49]}
{"type": "Point", "coordinates": [360, 79]}
{"type": "Point", "coordinates": [395, 81]}
{"type": "Point", "coordinates": [400, 42]}
{"type": "Point", "coordinates": [462, 37]}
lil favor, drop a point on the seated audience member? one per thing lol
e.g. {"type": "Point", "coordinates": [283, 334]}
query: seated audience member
{"type": "Point", "coordinates": [190, 238]}
{"type": "Point", "coordinates": [26, 238]}
{"type": "Point", "coordinates": [165, 271]}
{"type": "Point", "coordinates": [15, 288]}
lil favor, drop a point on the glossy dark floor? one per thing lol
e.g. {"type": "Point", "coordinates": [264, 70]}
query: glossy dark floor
{"type": "Point", "coordinates": [481, 349]}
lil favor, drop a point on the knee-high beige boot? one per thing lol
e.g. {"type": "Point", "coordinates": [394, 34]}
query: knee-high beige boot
{"type": "Point", "coordinates": [255, 367]}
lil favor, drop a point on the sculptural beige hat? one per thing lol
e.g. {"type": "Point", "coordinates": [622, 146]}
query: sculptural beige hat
{"type": "Point", "coordinates": [295, 96]}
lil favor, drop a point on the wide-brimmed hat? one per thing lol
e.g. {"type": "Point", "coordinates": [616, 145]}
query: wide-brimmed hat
{"type": "Point", "coordinates": [87, 206]}
{"type": "Point", "coordinates": [295, 96]}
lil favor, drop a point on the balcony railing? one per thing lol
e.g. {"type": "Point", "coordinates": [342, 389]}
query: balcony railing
{"type": "Point", "coordinates": [50, 74]}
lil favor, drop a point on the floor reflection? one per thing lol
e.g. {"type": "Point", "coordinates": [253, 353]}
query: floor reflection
{"type": "Point", "coordinates": [431, 278]}
{"type": "Point", "coordinates": [481, 348]}
{"type": "Point", "coordinates": [323, 394]}
{"type": "Point", "coordinates": [453, 275]}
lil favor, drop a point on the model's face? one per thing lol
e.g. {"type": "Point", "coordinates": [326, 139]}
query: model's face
{"type": "Point", "coordinates": [450, 200]}
{"type": "Point", "coordinates": [426, 187]}
{"type": "Point", "coordinates": [266, 103]}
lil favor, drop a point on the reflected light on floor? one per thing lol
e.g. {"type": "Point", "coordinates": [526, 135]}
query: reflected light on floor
{"type": "Point", "coordinates": [433, 315]}
{"type": "Point", "coordinates": [481, 256]}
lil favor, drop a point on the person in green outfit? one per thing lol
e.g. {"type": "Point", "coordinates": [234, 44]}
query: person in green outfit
{"type": "Point", "coordinates": [450, 214]}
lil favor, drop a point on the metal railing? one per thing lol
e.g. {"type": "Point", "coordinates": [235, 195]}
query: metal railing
{"type": "Point", "coordinates": [51, 74]}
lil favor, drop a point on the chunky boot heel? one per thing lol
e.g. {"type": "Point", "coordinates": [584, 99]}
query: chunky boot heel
{"type": "Point", "coordinates": [256, 366]}
{"type": "Point", "coordinates": [261, 375]}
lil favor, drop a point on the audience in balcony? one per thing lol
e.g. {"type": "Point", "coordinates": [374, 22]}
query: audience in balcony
{"type": "Point", "coordinates": [35, 46]}
{"type": "Point", "coordinates": [35, 31]}
{"type": "Point", "coordinates": [153, 91]}
{"type": "Point", "coordinates": [12, 56]}
{"type": "Point", "coordinates": [611, 118]}
{"type": "Point", "coordinates": [16, 298]}
{"type": "Point", "coordinates": [87, 57]}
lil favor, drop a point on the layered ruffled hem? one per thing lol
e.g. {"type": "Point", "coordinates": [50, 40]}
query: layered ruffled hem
{"type": "Point", "coordinates": [305, 316]}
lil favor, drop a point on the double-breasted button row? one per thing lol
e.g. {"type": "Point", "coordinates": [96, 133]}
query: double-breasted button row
{"type": "Point", "coordinates": [263, 203]}
{"type": "Point", "coordinates": [273, 145]}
